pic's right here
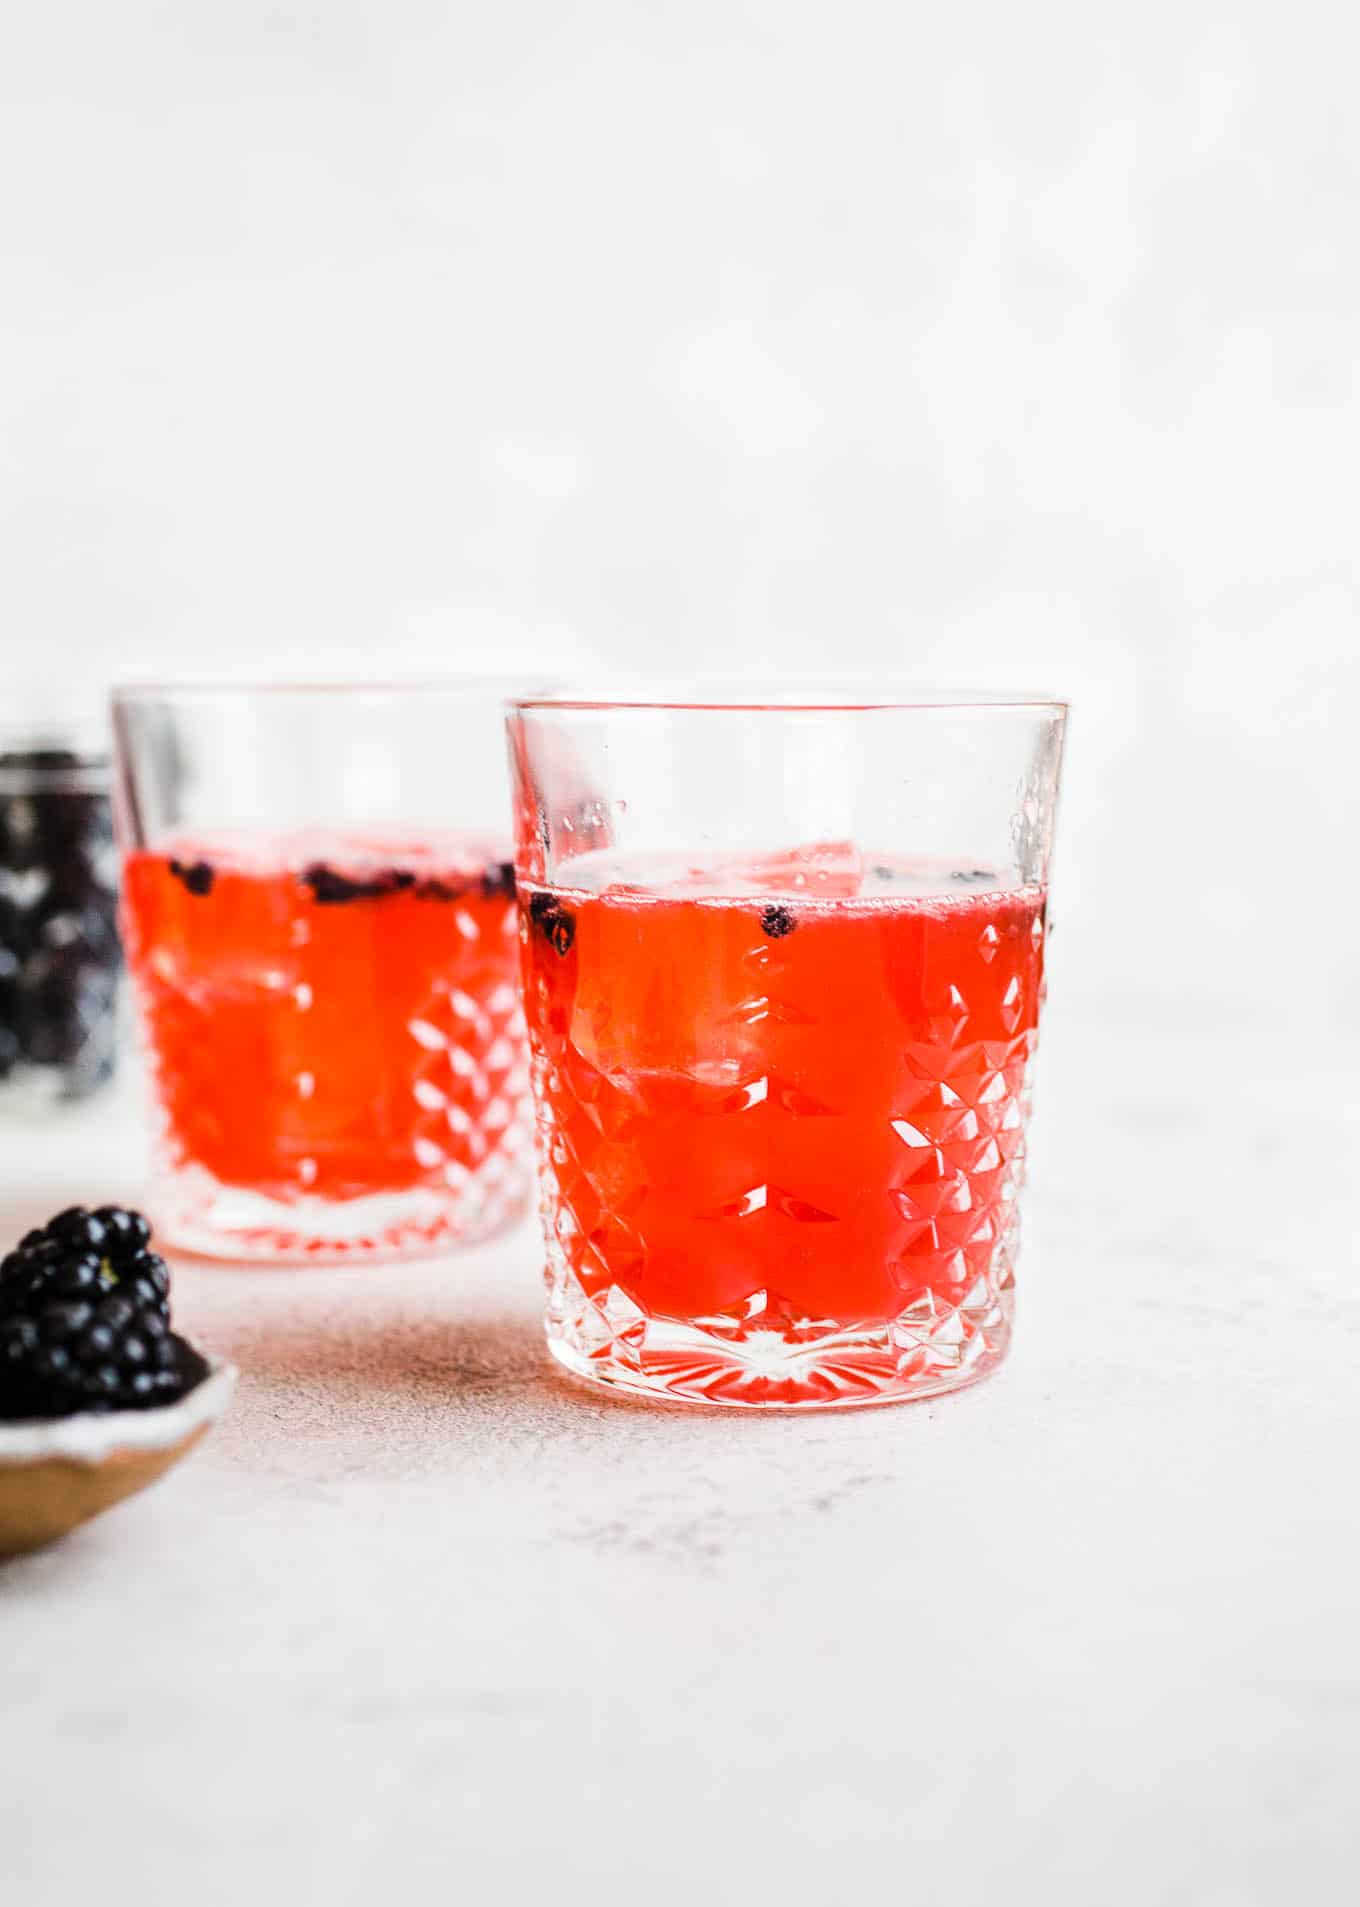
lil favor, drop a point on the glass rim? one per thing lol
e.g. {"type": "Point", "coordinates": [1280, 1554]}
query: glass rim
{"type": "Point", "coordinates": [735, 698]}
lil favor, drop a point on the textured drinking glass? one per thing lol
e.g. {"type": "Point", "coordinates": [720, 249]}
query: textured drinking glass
{"type": "Point", "coordinates": [318, 910]}
{"type": "Point", "coordinates": [783, 969]}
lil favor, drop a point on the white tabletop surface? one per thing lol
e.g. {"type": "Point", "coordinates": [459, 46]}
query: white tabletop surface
{"type": "Point", "coordinates": [425, 1621]}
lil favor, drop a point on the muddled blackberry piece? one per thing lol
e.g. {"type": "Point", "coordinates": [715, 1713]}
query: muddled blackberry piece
{"type": "Point", "coordinates": [972, 874]}
{"type": "Point", "coordinates": [433, 890]}
{"type": "Point", "coordinates": [498, 880]}
{"type": "Point", "coordinates": [555, 922]}
{"type": "Point", "coordinates": [331, 889]}
{"type": "Point", "coordinates": [328, 887]}
{"type": "Point", "coordinates": [197, 876]}
{"type": "Point", "coordinates": [562, 932]}
{"type": "Point", "coordinates": [776, 921]}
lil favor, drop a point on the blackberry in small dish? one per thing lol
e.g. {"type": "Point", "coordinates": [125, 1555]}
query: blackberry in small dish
{"type": "Point", "coordinates": [85, 1320]}
{"type": "Point", "coordinates": [98, 1394]}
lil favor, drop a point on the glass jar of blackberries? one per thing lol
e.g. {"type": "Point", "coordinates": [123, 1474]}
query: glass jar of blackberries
{"type": "Point", "coordinates": [59, 955]}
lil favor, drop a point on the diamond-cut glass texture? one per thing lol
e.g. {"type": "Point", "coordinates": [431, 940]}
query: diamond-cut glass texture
{"type": "Point", "coordinates": [782, 1169]}
{"type": "Point", "coordinates": [345, 1077]}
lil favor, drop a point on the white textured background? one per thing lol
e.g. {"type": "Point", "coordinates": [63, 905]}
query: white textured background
{"type": "Point", "coordinates": [1004, 344]}
{"type": "Point", "coordinates": [1001, 344]}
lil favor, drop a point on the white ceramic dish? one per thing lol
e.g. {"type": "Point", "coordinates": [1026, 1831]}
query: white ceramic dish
{"type": "Point", "coordinates": [57, 1474]}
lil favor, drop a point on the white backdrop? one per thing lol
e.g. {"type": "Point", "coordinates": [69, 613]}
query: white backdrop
{"type": "Point", "coordinates": [997, 341]}
{"type": "Point", "coordinates": [999, 344]}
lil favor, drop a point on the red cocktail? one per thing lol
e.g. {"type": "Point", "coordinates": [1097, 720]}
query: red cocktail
{"type": "Point", "coordinates": [334, 1038]}
{"type": "Point", "coordinates": [781, 1121]}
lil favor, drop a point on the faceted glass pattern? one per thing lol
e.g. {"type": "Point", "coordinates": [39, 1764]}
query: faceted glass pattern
{"type": "Point", "coordinates": [336, 1048]}
{"type": "Point", "coordinates": [781, 1148]}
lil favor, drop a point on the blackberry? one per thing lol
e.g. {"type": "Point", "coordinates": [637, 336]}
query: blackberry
{"type": "Point", "coordinates": [777, 921]}
{"type": "Point", "coordinates": [439, 891]}
{"type": "Point", "coordinates": [85, 1320]}
{"type": "Point", "coordinates": [555, 922]}
{"type": "Point", "coordinates": [197, 876]}
{"type": "Point", "coordinates": [86, 1255]}
{"type": "Point", "coordinates": [130, 1229]}
{"type": "Point", "coordinates": [82, 1357]}
{"type": "Point", "coordinates": [331, 889]}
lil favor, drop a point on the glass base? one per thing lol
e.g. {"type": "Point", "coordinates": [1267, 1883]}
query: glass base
{"type": "Point", "coordinates": [931, 1347]}
{"type": "Point", "coordinates": [193, 1211]}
